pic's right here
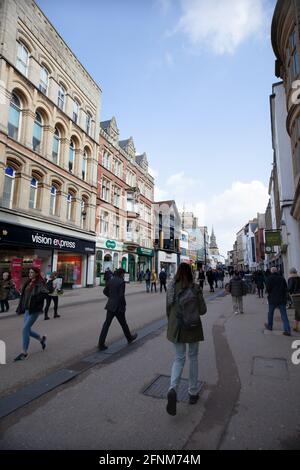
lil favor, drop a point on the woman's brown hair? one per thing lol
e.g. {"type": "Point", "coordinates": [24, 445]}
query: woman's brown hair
{"type": "Point", "coordinates": [184, 275]}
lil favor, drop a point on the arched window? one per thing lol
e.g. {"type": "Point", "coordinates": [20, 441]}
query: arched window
{"type": "Point", "coordinates": [88, 123]}
{"type": "Point", "coordinates": [22, 58]}
{"type": "Point", "coordinates": [71, 156]}
{"type": "Point", "coordinates": [44, 80]}
{"type": "Point", "coordinates": [56, 146]}
{"type": "Point", "coordinates": [75, 111]}
{"type": "Point", "coordinates": [9, 185]}
{"type": "Point", "coordinates": [53, 200]}
{"type": "Point", "coordinates": [33, 193]}
{"type": "Point", "coordinates": [71, 206]}
{"type": "Point", "coordinates": [84, 165]}
{"type": "Point", "coordinates": [61, 97]}
{"type": "Point", "coordinates": [37, 133]}
{"type": "Point", "coordinates": [14, 118]}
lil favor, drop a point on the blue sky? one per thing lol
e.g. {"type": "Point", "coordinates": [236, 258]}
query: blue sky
{"type": "Point", "coordinates": [190, 81]}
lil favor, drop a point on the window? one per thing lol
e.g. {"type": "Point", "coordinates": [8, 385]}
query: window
{"type": "Point", "coordinates": [61, 97]}
{"type": "Point", "coordinates": [9, 184]}
{"type": "Point", "coordinates": [22, 58]}
{"type": "Point", "coordinates": [37, 133]}
{"type": "Point", "coordinates": [56, 146]}
{"type": "Point", "coordinates": [33, 193]}
{"type": "Point", "coordinates": [53, 200]}
{"type": "Point", "coordinates": [116, 227]}
{"type": "Point", "coordinates": [104, 218]}
{"type": "Point", "coordinates": [117, 195]}
{"type": "Point", "coordinates": [71, 156]}
{"type": "Point", "coordinates": [293, 64]}
{"type": "Point", "coordinates": [14, 118]}
{"type": "Point", "coordinates": [117, 168]}
{"type": "Point", "coordinates": [105, 190]}
{"type": "Point", "coordinates": [88, 123]}
{"type": "Point", "coordinates": [84, 165]}
{"type": "Point", "coordinates": [130, 202]}
{"type": "Point", "coordinates": [106, 160]}
{"type": "Point", "coordinates": [44, 80]}
{"type": "Point", "coordinates": [70, 206]}
{"type": "Point", "coordinates": [75, 111]}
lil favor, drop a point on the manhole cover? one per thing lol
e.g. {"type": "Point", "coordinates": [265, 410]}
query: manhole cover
{"type": "Point", "coordinates": [160, 386]}
{"type": "Point", "coordinates": [264, 366]}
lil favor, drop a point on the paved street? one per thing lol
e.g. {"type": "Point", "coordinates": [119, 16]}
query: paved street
{"type": "Point", "coordinates": [246, 371]}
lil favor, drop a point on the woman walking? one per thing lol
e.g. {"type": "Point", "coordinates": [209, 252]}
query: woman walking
{"type": "Point", "coordinates": [31, 304]}
{"type": "Point", "coordinates": [185, 304]}
{"type": "Point", "coordinates": [294, 289]}
{"type": "Point", "coordinates": [6, 284]}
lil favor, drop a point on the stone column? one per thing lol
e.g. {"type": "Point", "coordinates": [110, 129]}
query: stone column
{"type": "Point", "coordinates": [77, 170]}
{"type": "Point", "coordinates": [28, 117]}
{"type": "Point", "coordinates": [64, 153]}
{"type": "Point", "coordinates": [48, 133]}
{"type": "Point", "coordinates": [22, 190]}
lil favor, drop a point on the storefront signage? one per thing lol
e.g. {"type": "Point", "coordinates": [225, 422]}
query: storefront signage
{"type": "Point", "coordinates": [145, 251]}
{"type": "Point", "coordinates": [111, 244]}
{"type": "Point", "coordinates": [17, 235]}
{"type": "Point", "coordinates": [273, 238]}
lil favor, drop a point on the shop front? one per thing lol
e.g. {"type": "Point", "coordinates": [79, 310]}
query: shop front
{"type": "Point", "coordinates": [23, 247]}
{"type": "Point", "coordinates": [108, 255]}
{"type": "Point", "coordinates": [168, 261]}
{"type": "Point", "coordinates": [145, 260]}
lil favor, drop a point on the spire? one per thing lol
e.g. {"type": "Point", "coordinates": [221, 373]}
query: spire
{"type": "Point", "coordinates": [213, 241]}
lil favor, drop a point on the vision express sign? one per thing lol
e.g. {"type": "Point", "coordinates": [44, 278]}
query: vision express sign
{"type": "Point", "coordinates": [15, 235]}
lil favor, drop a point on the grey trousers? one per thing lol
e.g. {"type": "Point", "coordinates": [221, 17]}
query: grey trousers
{"type": "Point", "coordinates": [238, 304]}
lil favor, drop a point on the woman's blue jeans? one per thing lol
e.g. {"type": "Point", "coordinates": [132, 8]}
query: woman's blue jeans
{"type": "Point", "coordinates": [180, 350]}
{"type": "Point", "coordinates": [29, 320]}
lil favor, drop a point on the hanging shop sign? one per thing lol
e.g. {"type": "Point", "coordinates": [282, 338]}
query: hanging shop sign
{"type": "Point", "coordinates": [273, 238]}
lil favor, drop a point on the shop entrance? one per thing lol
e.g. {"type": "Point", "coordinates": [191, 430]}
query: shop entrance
{"type": "Point", "coordinates": [69, 268]}
{"type": "Point", "coordinates": [131, 267]}
{"type": "Point", "coordinates": [107, 263]}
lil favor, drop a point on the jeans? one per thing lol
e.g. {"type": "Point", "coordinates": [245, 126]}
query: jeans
{"type": "Point", "coordinates": [29, 320]}
{"type": "Point", "coordinates": [238, 304]}
{"type": "Point", "coordinates": [284, 317]}
{"type": "Point", "coordinates": [48, 302]}
{"type": "Point", "coordinates": [180, 350]}
{"type": "Point", "coordinates": [148, 286]}
{"type": "Point", "coordinates": [153, 285]}
{"type": "Point", "coordinates": [109, 318]}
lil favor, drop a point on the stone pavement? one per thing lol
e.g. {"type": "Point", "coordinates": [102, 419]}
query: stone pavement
{"type": "Point", "coordinates": [250, 399]}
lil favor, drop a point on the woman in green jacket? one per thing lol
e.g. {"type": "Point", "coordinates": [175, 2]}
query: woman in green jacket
{"type": "Point", "coordinates": [182, 335]}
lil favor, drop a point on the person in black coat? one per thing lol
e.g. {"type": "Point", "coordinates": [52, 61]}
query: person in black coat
{"type": "Point", "coordinates": [260, 283]}
{"type": "Point", "coordinates": [277, 297]}
{"type": "Point", "coordinates": [294, 289]}
{"type": "Point", "coordinates": [201, 278]}
{"type": "Point", "coordinates": [116, 307]}
{"type": "Point", "coordinates": [163, 280]}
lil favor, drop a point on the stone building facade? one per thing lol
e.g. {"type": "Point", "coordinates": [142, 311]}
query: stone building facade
{"type": "Point", "coordinates": [286, 45]}
{"type": "Point", "coordinates": [124, 220]}
{"type": "Point", "coordinates": [49, 141]}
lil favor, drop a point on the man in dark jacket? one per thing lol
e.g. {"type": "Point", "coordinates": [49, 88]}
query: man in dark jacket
{"type": "Point", "coordinates": [277, 297]}
{"type": "Point", "coordinates": [116, 307]}
{"type": "Point", "coordinates": [163, 280]}
{"type": "Point", "coordinates": [237, 288]}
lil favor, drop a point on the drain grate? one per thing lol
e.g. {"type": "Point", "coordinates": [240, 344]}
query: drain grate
{"type": "Point", "coordinates": [160, 386]}
{"type": "Point", "coordinates": [270, 367]}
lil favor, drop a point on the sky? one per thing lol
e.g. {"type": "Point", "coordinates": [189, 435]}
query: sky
{"type": "Point", "coordinates": [190, 81]}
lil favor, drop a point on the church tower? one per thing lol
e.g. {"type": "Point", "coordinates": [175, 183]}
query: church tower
{"type": "Point", "coordinates": [213, 247]}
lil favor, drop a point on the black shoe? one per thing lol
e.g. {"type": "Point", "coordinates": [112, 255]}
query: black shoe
{"type": "Point", "coordinates": [133, 337]}
{"type": "Point", "coordinates": [56, 316]}
{"type": "Point", "coordinates": [102, 347]}
{"type": "Point", "coordinates": [43, 342]}
{"type": "Point", "coordinates": [193, 399]}
{"type": "Point", "coordinates": [46, 317]}
{"type": "Point", "coordinates": [172, 400]}
{"type": "Point", "coordinates": [267, 327]}
{"type": "Point", "coordinates": [21, 357]}
{"type": "Point", "coordinates": [287, 333]}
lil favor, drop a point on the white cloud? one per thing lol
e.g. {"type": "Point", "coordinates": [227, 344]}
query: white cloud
{"type": "Point", "coordinates": [179, 183]}
{"type": "Point", "coordinates": [221, 25]}
{"type": "Point", "coordinates": [227, 211]}
{"type": "Point", "coordinates": [160, 194]}
{"type": "Point", "coordinates": [153, 172]}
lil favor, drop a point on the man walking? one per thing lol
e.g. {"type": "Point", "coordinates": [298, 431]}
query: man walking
{"type": "Point", "coordinates": [116, 307]}
{"type": "Point", "coordinates": [107, 276]}
{"type": "Point", "coordinates": [163, 280]}
{"type": "Point", "coordinates": [277, 289]}
{"type": "Point", "coordinates": [237, 288]}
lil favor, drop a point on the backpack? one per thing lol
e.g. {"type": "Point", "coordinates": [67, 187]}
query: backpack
{"type": "Point", "coordinates": [50, 287]}
{"type": "Point", "coordinates": [187, 309]}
